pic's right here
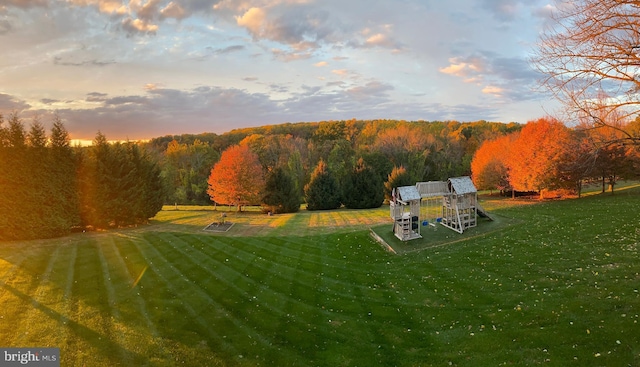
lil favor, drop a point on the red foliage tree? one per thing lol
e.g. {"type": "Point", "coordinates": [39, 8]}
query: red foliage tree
{"type": "Point", "coordinates": [237, 178]}
{"type": "Point", "coordinates": [534, 162]}
{"type": "Point", "coordinates": [489, 165]}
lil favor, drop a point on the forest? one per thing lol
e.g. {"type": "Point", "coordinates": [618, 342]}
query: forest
{"type": "Point", "coordinates": [422, 150]}
{"type": "Point", "coordinates": [56, 187]}
{"type": "Point", "coordinates": [542, 157]}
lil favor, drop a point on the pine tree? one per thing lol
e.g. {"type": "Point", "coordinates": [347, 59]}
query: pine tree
{"type": "Point", "coordinates": [59, 135]}
{"type": "Point", "coordinates": [323, 191]}
{"type": "Point", "coordinates": [363, 189]}
{"type": "Point", "coordinates": [18, 210]}
{"type": "Point", "coordinates": [64, 195]}
{"type": "Point", "coordinates": [37, 136]}
{"type": "Point", "coordinates": [15, 133]}
{"type": "Point", "coordinates": [296, 168]}
{"type": "Point", "coordinates": [280, 193]}
{"type": "Point", "coordinates": [148, 191]}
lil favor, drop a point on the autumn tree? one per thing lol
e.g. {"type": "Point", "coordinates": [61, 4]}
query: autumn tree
{"type": "Point", "coordinates": [330, 131]}
{"type": "Point", "coordinates": [603, 152]}
{"type": "Point", "coordinates": [590, 58]}
{"type": "Point", "coordinates": [580, 161]}
{"type": "Point", "coordinates": [323, 191]}
{"type": "Point", "coordinates": [237, 178]}
{"type": "Point", "coordinates": [397, 178]}
{"type": "Point", "coordinates": [405, 145]}
{"type": "Point", "coordinates": [536, 155]}
{"type": "Point", "coordinates": [489, 165]}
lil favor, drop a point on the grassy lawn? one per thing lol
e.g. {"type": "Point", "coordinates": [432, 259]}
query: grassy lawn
{"type": "Point", "coordinates": [554, 283]}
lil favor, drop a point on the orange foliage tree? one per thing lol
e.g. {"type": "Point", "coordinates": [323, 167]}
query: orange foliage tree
{"type": "Point", "coordinates": [489, 165]}
{"type": "Point", "coordinates": [405, 145]}
{"type": "Point", "coordinates": [536, 155]}
{"type": "Point", "coordinates": [237, 178]}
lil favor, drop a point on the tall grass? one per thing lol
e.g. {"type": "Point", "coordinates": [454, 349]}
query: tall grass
{"type": "Point", "coordinates": [553, 283]}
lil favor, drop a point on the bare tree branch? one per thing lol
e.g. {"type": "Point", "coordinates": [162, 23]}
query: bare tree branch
{"type": "Point", "coordinates": [590, 59]}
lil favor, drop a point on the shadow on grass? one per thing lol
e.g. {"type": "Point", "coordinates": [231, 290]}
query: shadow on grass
{"type": "Point", "coordinates": [441, 236]}
{"type": "Point", "coordinates": [107, 347]}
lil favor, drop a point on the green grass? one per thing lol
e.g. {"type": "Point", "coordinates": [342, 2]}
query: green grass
{"type": "Point", "coordinates": [554, 283]}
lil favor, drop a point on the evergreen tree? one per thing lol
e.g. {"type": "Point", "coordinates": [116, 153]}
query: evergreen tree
{"type": "Point", "coordinates": [340, 161]}
{"type": "Point", "coordinates": [41, 202]}
{"type": "Point", "coordinates": [123, 187]}
{"type": "Point", "coordinates": [111, 185]}
{"type": "Point", "coordinates": [19, 213]}
{"type": "Point", "coordinates": [16, 134]}
{"type": "Point", "coordinates": [296, 169]}
{"type": "Point", "coordinates": [280, 193]}
{"type": "Point", "coordinates": [323, 191]}
{"type": "Point", "coordinates": [37, 136]}
{"type": "Point", "coordinates": [59, 134]}
{"type": "Point", "coordinates": [364, 188]}
{"type": "Point", "coordinates": [94, 179]}
{"type": "Point", "coordinates": [64, 197]}
{"type": "Point", "coordinates": [120, 185]}
{"type": "Point", "coordinates": [148, 191]}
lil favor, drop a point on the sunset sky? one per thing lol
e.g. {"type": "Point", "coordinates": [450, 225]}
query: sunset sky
{"type": "Point", "coordinates": [140, 69]}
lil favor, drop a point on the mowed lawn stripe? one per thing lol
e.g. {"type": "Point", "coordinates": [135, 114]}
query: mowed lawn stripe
{"type": "Point", "coordinates": [287, 265]}
{"type": "Point", "coordinates": [191, 298]}
{"type": "Point", "coordinates": [252, 311]}
{"type": "Point", "coordinates": [37, 316]}
{"type": "Point", "coordinates": [129, 331]}
{"type": "Point", "coordinates": [91, 316]}
{"type": "Point", "coordinates": [149, 303]}
{"type": "Point", "coordinates": [271, 300]}
{"type": "Point", "coordinates": [19, 286]}
{"type": "Point", "coordinates": [67, 341]}
{"type": "Point", "coordinates": [139, 307]}
{"type": "Point", "coordinates": [331, 301]}
{"type": "Point", "coordinates": [25, 288]}
{"type": "Point", "coordinates": [12, 305]}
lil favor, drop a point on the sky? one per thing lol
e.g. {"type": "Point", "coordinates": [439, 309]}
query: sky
{"type": "Point", "coordinates": [139, 69]}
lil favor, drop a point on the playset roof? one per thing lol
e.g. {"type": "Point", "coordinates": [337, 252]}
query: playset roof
{"type": "Point", "coordinates": [408, 193]}
{"type": "Point", "coordinates": [462, 185]}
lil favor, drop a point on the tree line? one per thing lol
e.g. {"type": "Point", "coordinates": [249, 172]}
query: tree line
{"type": "Point", "coordinates": [296, 153]}
{"type": "Point", "coordinates": [49, 187]}
{"type": "Point", "coordinates": [546, 155]}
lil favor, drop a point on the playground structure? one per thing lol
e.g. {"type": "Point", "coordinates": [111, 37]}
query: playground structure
{"type": "Point", "coordinates": [452, 203]}
{"type": "Point", "coordinates": [405, 211]}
